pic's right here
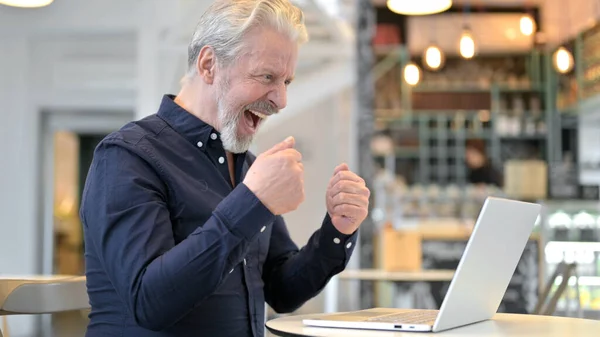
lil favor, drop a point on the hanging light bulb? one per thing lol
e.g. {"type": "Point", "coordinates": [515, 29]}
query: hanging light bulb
{"type": "Point", "coordinates": [412, 7]}
{"type": "Point", "coordinates": [527, 25]}
{"type": "Point", "coordinates": [412, 74]}
{"type": "Point", "coordinates": [26, 3]}
{"type": "Point", "coordinates": [434, 57]}
{"type": "Point", "coordinates": [467, 45]}
{"type": "Point", "coordinates": [563, 60]}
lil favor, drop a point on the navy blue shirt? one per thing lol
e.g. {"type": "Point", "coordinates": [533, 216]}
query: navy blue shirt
{"type": "Point", "coordinates": [172, 248]}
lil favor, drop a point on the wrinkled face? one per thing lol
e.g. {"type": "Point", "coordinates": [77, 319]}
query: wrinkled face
{"type": "Point", "coordinates": [254, 87]}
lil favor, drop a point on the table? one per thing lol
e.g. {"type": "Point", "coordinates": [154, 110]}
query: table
{"type": "Point", "coordinates": [41, 294]}
{"type": "Point", "coordinates": [501, 326]}
{"type": "Point", "coordinates": [38, 294]}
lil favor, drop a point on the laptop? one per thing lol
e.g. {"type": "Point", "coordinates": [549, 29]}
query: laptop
{"type": "Point", "coordinates": [479, 283]}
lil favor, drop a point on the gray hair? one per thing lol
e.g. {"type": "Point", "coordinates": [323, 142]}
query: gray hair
{"type": "Point", "coordinates": [225, 23]}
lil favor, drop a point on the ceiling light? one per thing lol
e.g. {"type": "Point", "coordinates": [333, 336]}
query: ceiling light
{"type": "Point", "coordinates": [26, 3]}
{"type": "Point", "coordinates": [467, 45]}
{"type": "Point", "coordinates": [527, 25]}
{"type": "Point", "coordinates": [413, 7]}
{"type": "Point", "coordinates": [563, 60]}
{"type": "Point", "coordinates": [434, 57]}
{"type": "Point", "coordinates": [412, 74]}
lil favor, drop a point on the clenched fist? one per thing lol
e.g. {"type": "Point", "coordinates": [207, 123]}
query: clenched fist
{"type": "Point", "coordinates": [347, 200]}
{"type": "Point", "coordinates": [277, 178]}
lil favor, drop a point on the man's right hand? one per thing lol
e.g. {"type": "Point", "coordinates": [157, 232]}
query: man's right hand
{"type": "Point", "coordinates": [277, 178]}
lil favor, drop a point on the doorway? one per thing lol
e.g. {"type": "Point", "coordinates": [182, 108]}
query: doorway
{"type": "Point", "coordinates": [68, 141]}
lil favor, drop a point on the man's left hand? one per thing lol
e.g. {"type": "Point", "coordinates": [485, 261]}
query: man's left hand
{"type": "Point", "coordinates": [347, 200]}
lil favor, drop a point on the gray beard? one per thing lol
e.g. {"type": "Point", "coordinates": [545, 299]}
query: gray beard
{"type": "Point", "coordinates": [229, 121]}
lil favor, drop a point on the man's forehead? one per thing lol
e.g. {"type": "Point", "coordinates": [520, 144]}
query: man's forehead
{"type": "Point", "coordinates": [264, 56]}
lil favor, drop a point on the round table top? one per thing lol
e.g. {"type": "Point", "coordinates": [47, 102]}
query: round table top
{"type": "Point", "coordinates": [40, 294]}
{"type": "Point", "coordinates": [500, 326]}
{"type": "Point", "coordinates": [41, 278]}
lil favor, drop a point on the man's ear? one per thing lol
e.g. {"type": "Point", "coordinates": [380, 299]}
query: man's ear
{"type": "Point", "coordinates": [206, 64]}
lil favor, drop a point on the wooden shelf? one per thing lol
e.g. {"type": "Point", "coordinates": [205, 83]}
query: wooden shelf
{"type": "Point", "coordinates": [474, 88]}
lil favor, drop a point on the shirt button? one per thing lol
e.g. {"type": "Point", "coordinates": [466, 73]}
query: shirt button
{"type": "Point", "coordinates": [349, 245]}
{"type": "Point", "coordinates": [263, 229]}
{"type": "Point", "coordinates": [231, 271]}
{"type": "Point", "coordinates": [221, 160]}
{"type": "Point", "coordinates": [199, 144]}
{"type": "Point", "coordinates": [336, 241]}
{"type": "Point", "coordinates": [244, 262]}
{"type": "Point", "coordinates": [213, 136]}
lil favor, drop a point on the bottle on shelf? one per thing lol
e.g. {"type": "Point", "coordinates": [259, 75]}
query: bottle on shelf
{"type": "Point", "coordinates": [584, 227]}
{"type": "Point", "coordinates": [560, 224]}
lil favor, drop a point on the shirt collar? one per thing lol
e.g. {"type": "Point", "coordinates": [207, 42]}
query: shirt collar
{"type": "Point", "coordinates": [189, 126]}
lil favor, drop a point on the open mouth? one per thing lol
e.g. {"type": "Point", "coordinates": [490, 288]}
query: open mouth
{"type": "Point", "coordinates": [254, 118]}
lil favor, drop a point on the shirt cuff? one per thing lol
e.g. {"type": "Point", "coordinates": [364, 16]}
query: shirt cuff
{"type": "Point", "coordinates": [244, 214]}
{"type": "Point", "coordinates": [335, 244]}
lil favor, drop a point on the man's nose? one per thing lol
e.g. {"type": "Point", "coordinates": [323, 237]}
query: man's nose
{"type": "Point", "coordinates": [278, 96]}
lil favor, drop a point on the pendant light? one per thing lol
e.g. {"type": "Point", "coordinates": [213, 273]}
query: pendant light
{"type": "Point", "coordinates": [413, 7]}
{"type": "Point", "coordinates": [467, 44]}
{"type": "Point", "coordinates": [563, 60]}
{"type": "Point", "coordinates": [433, 57]}
{"type": "Point", "coordinates": [26, 3]}
{"type": "Point", "coordinates": [412, 74]}
{"type": "Point", "coordinates": [527, 25]}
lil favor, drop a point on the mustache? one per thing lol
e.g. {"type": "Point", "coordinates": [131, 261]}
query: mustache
{"type": "Point", "coordinates": [264, 107]}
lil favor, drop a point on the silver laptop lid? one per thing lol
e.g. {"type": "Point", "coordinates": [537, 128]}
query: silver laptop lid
{"type": "Point", "coordinates": [488, 262]}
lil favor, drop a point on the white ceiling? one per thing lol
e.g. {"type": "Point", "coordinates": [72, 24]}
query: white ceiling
{"type": "Point", "coordinates": [109, 44]}
{"type": "Point", "coordinates": [493, 33]}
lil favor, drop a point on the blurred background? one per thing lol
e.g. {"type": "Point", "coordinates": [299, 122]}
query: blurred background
{"type": "Point", "coordinates": [438, 104]}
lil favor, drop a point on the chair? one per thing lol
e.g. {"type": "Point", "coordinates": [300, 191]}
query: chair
{"type": "Point", "coordinates": [547, 306]}
{"type": "Point", "coordinates": [29, 295]}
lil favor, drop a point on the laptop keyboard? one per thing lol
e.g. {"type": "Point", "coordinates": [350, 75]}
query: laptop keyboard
{"type": "Point", "coordinates": [409, 317]}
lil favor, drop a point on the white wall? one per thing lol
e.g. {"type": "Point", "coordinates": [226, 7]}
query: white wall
{"type": "Point", "coordinates": [51, 61]}
{"type": "Point", "coordinates": [30, 83]}
{"type": "Point", "coordinates": [18, 246]}
{"type": "Point", "coordinates": [322, 134]}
